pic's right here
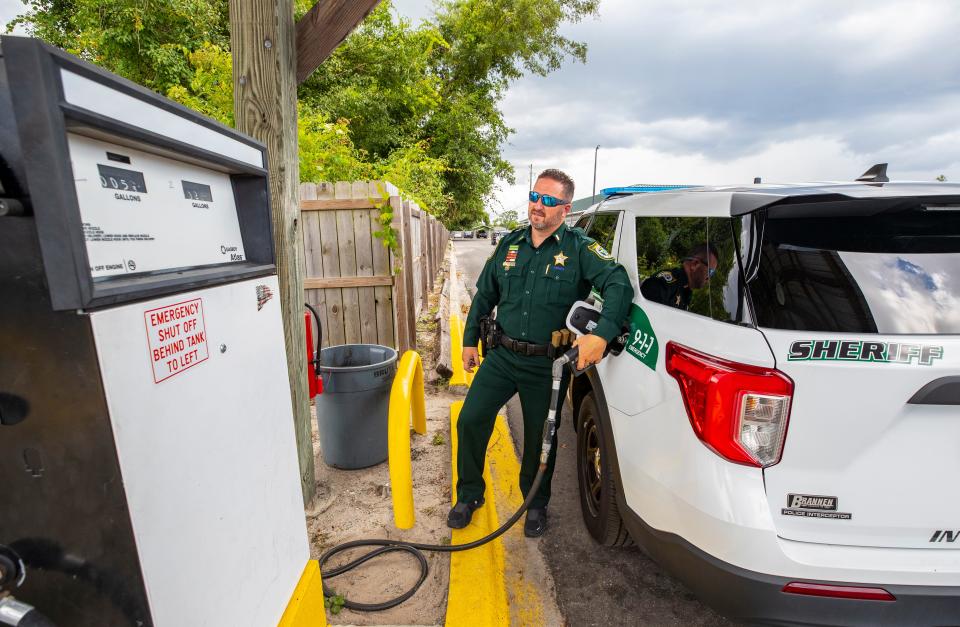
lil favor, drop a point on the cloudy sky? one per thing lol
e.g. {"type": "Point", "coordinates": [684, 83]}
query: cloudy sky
{"type": "Point", "coordinates": [713, 91]}
{"type": "Point", "coordinates": [9, 10]}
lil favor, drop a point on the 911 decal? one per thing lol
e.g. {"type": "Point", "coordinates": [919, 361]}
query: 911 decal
{"type": "Point", "coordinates": [642, 342]}
{"type": "Point", "coordinates": [856, 350]}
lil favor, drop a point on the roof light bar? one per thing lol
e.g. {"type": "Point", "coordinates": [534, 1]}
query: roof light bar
{"type": "Point", "coordinates": [643, 189]}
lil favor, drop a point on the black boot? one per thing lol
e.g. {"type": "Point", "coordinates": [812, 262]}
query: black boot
{"type": "Point", "coordinates": [536, 522]}
{"type": "Point", "coordinates": [459, 517]}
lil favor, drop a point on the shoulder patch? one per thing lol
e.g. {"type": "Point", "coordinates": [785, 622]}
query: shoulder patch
{"type": "Point", "coordinates": [599, 251]}
{"type": "Point", "coordinates": [667, 276]}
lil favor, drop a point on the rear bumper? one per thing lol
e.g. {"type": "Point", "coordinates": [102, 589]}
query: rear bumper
{"type": "Point", "coordinates": [758, 598]}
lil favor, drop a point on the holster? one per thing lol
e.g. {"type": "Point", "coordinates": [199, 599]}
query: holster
{"type": "Point", "coordinates": [490, 334]}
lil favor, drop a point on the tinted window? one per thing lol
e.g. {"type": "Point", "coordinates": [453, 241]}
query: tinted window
{"type": "Point", "coordinates": [604, 229]}
{"type": "Point", "coordinates": [892, 270]}
{"type": "Point", "coordinates": [663, 243]}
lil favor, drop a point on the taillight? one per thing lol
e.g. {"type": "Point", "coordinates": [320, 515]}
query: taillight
{"type": "Point", "coordinates": [739, 411]}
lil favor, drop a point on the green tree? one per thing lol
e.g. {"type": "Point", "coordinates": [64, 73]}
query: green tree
{"type": "Point", "coordinates": [439, 86]}
{"type": "Point", "coordinates": [508, 219]}
{"type": "Point", "coordinates": [146, 42]}
{"type": "Point", "coordinates": [490, 44]}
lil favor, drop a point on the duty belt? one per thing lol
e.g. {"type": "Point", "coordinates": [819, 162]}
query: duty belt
{"type": "Point", "coordinates": [529, 348]}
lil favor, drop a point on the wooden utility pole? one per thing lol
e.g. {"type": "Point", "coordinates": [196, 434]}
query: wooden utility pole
{"type": "Point", "coordinates": [271, 56]}
{"type": "Point", "coordinates": [265, 107]}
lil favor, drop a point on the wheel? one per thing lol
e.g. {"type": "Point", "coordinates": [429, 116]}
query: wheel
{"type": "Point", "coordinates": [598, 497]}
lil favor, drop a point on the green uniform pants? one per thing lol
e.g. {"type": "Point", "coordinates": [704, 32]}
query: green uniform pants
{"type": "Point", "coordinates": [502, 374]}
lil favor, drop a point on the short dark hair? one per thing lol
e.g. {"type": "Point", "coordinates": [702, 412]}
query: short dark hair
{"type": "Point", "coordinates": [560, 177]}
{"type": "Point", "coordinates": [701, 251]}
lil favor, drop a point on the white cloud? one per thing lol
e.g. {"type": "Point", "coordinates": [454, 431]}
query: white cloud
{"type": "Point", "coordinates": [710, 91]}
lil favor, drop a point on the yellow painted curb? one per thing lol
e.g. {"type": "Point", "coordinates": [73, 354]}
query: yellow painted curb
{"type": "Point", "coordinates": [306, 605]}
{"type": "Point", "coordinates": [477, 594]}
{"type": "Point", "coordinates": [526, 600]}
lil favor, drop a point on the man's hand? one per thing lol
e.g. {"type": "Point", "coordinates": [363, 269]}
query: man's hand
{"type": "Point", "coordinates": [591, 350]}
{"type": "Point", "coordinates": [471, 358]}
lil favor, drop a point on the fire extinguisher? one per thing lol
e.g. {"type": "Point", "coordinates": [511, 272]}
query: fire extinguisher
{"type": "Point", "coordinates": [314, 380]}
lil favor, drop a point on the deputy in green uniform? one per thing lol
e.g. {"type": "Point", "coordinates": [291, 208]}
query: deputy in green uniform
{"type": "Point", "coordinates": [674, 287]}
{"type": "Point", "coordinates": [533, 277]}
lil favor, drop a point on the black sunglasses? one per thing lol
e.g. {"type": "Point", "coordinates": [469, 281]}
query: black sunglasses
{"type": "Point", "coordinates": [548, 200]}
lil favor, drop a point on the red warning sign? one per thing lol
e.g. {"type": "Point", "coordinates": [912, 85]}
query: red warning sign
{"type": "Point", "coordinates": [177, 338]}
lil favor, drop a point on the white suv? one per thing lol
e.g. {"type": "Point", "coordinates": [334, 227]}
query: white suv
{"type": "Point", "coordinates": [788, 445]}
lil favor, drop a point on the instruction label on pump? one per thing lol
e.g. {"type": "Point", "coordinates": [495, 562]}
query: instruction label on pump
{"type": "Point", "coordinates": [177, 338]}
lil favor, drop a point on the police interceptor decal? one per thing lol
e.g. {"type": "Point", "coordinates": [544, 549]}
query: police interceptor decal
{"type": "Point", "coordinates": [857, 350]}
{"type": "Point", "coordinates": [813, 506]}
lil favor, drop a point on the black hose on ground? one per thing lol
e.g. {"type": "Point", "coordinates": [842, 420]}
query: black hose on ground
{"type": "Point", "coordinates": [416, 549]}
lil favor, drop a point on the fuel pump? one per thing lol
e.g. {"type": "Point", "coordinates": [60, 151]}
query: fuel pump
{"type": "Point", "coordinates": [148, 460]}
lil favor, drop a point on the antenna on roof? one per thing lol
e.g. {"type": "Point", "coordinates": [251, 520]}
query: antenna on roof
{"type": "Point", "coordinates": [876, 174]}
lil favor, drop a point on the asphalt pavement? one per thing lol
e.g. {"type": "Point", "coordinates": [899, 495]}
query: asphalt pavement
{"type": "Point", "coordinates": [595, 585]}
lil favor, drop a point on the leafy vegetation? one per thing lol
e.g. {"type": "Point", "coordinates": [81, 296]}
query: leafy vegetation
{"type": "Point", "coordinates": [334, 603]}
{"type": "Point", "coordinates": [417, 105]}
{"type": "Point", "coordinates": [508, 219]}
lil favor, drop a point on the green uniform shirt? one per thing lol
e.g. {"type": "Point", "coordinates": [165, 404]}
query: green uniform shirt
{"type": "Point", "coordinates": [669, 287]}
{"type": "Point", "coordinates": [533, 288]}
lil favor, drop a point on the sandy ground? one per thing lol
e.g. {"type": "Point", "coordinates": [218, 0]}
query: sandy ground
{"type": "Point", "coordinates": [356, 504]}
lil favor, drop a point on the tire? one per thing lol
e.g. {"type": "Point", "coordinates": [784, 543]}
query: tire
{"type": "Point", "coordinates": [598, 497]}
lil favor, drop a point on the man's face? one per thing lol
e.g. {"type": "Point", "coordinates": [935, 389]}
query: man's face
{"type": "Point", "coordinates": [698, 272]}
{"type": "Point", "coordinates": [543, 218]}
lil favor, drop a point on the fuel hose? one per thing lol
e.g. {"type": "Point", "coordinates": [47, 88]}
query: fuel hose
{"type": "Point", "coordinates": [416, 549]}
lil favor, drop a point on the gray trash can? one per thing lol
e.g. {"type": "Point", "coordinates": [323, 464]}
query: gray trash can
{"type": "Point", "coordinates": [352, 411]}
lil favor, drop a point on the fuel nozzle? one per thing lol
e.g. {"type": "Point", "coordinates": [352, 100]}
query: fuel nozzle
{"type": "Point", "coordinates": [569, 357]}
{"type": "Point", "coordinates": [12, 571]}
{"type": "Point", "coordinates": [13, 612]}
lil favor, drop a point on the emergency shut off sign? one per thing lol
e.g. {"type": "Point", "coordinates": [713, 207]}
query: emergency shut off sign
{"type": "Point", "coordinates": [177, 338]}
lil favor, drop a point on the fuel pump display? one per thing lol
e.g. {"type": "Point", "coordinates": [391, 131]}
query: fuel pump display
{"type": "Point", "coordinates": [132, 224]}
{"type": "Point", "coordinates": [148, 459]}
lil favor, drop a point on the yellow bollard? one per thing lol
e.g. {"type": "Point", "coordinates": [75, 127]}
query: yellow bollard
{"type": "Point", "coordinates": [460, 376]}
{"type": "Point", "coordinates": [406, 394]}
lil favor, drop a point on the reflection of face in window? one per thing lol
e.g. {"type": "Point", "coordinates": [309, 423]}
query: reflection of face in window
{"type": "Point", "coordinates": [699, 271]}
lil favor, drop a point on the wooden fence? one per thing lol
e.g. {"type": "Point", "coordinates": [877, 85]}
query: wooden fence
{"type": "Point", "coordinates": [363, 293]}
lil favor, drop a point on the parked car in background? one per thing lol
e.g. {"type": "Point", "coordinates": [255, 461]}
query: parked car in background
{"type": "Point", "coordinates": [457, 235]}
{"type": "Point", "coordinates": [783, 440]}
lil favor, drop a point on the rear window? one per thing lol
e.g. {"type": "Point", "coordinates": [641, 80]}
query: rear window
{"type": "Point", "coordinates": [894, 269]}
{"type": "Point", "coordinates": [604, 229]}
